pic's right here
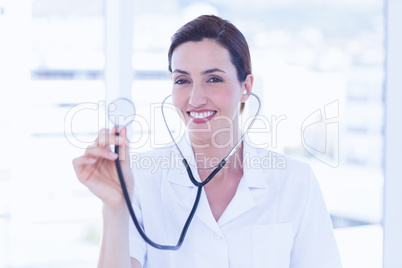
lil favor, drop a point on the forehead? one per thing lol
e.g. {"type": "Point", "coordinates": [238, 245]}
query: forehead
{"type": "Point", "coordinates": [202, 53]}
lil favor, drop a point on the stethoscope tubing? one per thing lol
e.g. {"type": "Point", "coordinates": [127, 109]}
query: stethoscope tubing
{"type": "Point", "coordinates": [189, 218]}
{"type": "Point", "coordinates": [199, 185]}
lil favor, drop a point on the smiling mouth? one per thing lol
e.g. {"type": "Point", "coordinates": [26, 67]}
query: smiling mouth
{"type": "Point", "coordinates": [201, 115]}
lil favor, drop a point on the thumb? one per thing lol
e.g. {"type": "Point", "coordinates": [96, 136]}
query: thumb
{"type": "Point", "coordinates": [123, 145]}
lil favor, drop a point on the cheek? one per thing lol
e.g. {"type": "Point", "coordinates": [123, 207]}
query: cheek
{"type": "Point", "coordinates": [178, 100]}
{"type": "Point", "coordinates": [179, 103]}
{"type": "Point", "coordinates": [228, 98]}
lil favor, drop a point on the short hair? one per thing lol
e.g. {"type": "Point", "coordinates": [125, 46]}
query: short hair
{"type": "Point", "coordinates": [221, 31]}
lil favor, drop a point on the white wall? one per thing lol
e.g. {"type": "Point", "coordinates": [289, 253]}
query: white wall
{"type": "Point", "coordinates": [393, 137]}
{"type": "Point", "coordinates": [15, 48]}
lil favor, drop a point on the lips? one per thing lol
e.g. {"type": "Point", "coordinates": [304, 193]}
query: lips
{"type": "Point", "coordinates": [201, 116]}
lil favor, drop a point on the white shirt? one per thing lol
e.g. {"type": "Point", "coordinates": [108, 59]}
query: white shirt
{"type": "Point", "coordinates": [277, 217]}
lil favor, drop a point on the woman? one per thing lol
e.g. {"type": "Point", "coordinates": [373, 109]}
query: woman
{"type": "Point", "coordinates": [248, 215]}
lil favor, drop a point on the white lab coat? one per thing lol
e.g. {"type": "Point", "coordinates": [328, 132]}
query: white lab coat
{"type": "Point", "coordinates": [276, 219]}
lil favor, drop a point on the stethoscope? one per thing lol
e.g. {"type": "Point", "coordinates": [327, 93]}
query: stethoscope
{"type": "Point", "coordinates": [121, 112]}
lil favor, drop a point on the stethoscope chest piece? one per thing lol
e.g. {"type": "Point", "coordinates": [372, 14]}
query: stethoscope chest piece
{"type": "Point", "coordinates": [121, 112]}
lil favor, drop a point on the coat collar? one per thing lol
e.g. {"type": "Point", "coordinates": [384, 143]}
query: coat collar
{"type": "Point", "coordinates": [255, 176]}
{"type": "Point", "coordinates": [255, 163]}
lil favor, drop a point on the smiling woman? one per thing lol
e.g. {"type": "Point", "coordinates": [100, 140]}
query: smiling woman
{"type": "Point", "coordinates": [226, 35]}
{"type": "Point", "coordinates": [207, 91]}
{"type": "Point", "coordinates": [248, 215]}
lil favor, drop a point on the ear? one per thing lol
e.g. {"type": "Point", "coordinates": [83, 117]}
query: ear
{"type": "Point", "coordinates": [247, 85]}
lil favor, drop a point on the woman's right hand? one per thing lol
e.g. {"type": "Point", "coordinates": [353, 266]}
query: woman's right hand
{"type": "Point", "coordinates": [96, 169]}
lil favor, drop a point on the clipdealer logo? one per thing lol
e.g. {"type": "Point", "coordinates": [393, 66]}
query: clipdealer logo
{"type": "Point", "coordinates": [319, 131]}
{"type": "Point", "coordinates": [320, 134]}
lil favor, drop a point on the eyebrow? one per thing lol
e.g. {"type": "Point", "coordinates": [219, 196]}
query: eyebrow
{"type": "Point", "coordinates": [180, 71]}
{"type": "Point", "coordinates": [213, 71]}
{"type": "Point", "coordinates": [204, 72]}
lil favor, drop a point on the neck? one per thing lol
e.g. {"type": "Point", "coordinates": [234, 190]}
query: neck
{"type": "Point", "coordinates": [210, 152]}
{"type": "Point", "coordinates": [233, 168]}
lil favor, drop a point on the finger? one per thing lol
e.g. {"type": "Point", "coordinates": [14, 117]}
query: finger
{"type": "Point", "coordinates": [124, 146]}
{"type": "Point", "coordinates": [83, 160]}
{"type": "Point", "coordinates": [100, 152]}
{"type": "Point", "coordinates": [80, 162]}
{"type": "Point", "coordinates": [101, 133]}
{"type": "Point", "coordinates": [80, 165]}
{"type": "Point", "coordinates": [108, 137]}
{"type": "Point", "coordinates": [115, 129]}
{"type": "Point", "coordinates": [122, 134]}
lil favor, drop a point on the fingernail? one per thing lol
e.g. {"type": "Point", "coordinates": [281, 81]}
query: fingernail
{"type": "Point", "coordinates": [91, 160]}
{"type": "Point", "coordinates": [112, 154]}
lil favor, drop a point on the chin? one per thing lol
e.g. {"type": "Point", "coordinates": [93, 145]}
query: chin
{"type": "Point", "coordinates": [199, 134]}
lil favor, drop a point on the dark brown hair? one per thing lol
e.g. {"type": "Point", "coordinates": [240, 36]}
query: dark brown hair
{"type": "Point", "coordinates": [221, 31]}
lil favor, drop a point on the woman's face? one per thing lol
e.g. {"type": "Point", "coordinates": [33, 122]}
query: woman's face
{"type": "Point", "coordinates": [207, 91]}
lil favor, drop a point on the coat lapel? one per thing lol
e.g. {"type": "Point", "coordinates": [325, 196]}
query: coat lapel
{"type": "Point", "coordinates": [254, 177]}
{"type": "Point", "coordinates": [180, 180]}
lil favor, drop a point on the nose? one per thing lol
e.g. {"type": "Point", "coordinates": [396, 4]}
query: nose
{"type": "Point", "coordinates": [197, 97]}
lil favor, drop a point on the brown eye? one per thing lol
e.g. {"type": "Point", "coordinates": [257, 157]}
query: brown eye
{"type": "Point", "coordinates": [181, 81]}
{"type": "Point", "coordinates": [215, 80]}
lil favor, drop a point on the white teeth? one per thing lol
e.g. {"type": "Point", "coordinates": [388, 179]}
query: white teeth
{"type": "Point", "coordinates": [201, 115]}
